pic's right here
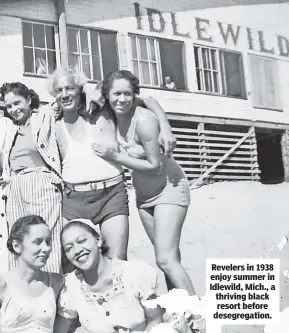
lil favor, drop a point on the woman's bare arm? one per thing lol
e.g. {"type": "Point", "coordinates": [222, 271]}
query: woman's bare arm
{"type": "Point", "coordinates": [166, 138]}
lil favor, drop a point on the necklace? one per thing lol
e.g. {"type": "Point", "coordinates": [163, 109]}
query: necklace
{"type": "Point", "coordinates": [100, 298]}
{"type": "Point", "coordinates": [89, 295]}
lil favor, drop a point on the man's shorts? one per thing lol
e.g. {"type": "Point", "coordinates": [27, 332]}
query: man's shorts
{"type": "Point", "coordinates": [98, 206]}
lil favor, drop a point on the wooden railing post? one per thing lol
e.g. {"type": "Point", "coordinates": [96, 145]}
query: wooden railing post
{"type": "Point", "coordinates": [285, 154]}
{"type": "Point", "coordinates": [203, 148]}
{"type": "Point", "coordinates": [254, 161]}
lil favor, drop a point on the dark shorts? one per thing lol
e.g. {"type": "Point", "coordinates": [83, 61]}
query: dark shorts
{"type": "Point", "coordinates": [97, 206]}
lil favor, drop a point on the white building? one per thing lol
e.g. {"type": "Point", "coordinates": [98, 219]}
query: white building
{"type": "Point", "coordinates": [230, 65]}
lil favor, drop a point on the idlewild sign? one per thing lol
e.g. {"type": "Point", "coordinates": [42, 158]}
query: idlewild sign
{"type": "Point", "coordinates": [256, 40]}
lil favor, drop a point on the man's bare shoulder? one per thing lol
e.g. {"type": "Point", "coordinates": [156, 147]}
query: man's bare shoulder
{"type": "Point", "coordinates": [108, 114]}
{"type": "Point", "coordinates": [105, 116]}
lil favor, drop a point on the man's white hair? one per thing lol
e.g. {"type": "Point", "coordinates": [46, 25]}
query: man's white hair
{"type": "Point", "coordinates": [80, 78]}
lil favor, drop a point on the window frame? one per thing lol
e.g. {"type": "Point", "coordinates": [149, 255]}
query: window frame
{"type": "Point", "coordinates": [276, 78]}
{"type": "Point", "coordinates": [149, 61]}
{"type": "Point", "coordinates": [56, 43]}
{"type": "Point", "coordinates": [98, 31]}
{"type": "Point", "coordinates": [158, 61]}
{"type": "Point", "coordinates": [210, 69]}
{"type": "Point", "coordinates": [220, 70]}
{"type": "Point", "coordinates": [79, 52]}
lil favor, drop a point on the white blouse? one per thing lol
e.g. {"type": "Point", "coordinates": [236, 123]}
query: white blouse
{"type": "Point", "coordinates": [133, 283]}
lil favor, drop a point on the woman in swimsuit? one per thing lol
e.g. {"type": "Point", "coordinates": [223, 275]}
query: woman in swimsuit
{"type": "Point", "coordinates": [162, 190]}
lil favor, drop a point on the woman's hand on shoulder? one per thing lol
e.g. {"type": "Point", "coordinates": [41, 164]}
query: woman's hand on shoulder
{"type": "Point", "coordinates": [93, 95]}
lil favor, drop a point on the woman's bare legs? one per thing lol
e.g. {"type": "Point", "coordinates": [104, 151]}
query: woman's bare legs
{"type": "Point", "coordinates": [163, 226]}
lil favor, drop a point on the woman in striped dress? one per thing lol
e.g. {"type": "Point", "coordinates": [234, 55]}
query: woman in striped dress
{"type": "Point", "coordinates": [31, 165]}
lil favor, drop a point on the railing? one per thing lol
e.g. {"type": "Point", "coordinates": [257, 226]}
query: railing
{"type": "Point", "coordinates": [210, 155]}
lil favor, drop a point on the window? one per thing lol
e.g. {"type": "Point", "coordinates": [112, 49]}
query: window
{"type": "Point", "coordinates": [154, 59]}
{"type": "Point", "coordinates": [264, 80]}
{"type": "Point", "coordinates": [219, 71]}
{"type": "Point", "coordinates": [39, 48]}
{"type": "Point", "coordinates": [94, 52]}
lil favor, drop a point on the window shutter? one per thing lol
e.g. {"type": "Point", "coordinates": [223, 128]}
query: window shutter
{"type": "Point", "coordinates": [264, 80]}
{"type": "Point", "coordinates": [109, 53]}
{"type": "Point", "coordinates": [257, 82]}
{"type": "Point", "coordinates": [271, 80]}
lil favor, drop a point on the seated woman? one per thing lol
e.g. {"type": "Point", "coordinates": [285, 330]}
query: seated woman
{"type": "Point", "coordinates": [28, 294]}
{"type": "Point", "coordinates": [162, 190]}
{"type": "Point", "coordinates": [105, 294]}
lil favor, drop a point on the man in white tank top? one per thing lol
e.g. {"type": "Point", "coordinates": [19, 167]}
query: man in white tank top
{"type": "Point", "coordinates": [94, 186]}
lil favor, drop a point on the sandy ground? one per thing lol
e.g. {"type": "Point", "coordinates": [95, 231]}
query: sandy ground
{"type": "Point", "coordinates": [225, 220]}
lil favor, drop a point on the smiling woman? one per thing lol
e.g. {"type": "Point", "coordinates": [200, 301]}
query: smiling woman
{"type": "Point", "coordinates": [31, 164]}
{"type": "Point", "coordinates": [32, 246]}
{"type": "Point", "coordinates": [162, 191]}
{"type": "Point", "coordinates": [19, 107]}
{"type": "Point", "coordinates": [109, 292]}
{"type": "Point", "coordinates": [27, 294]}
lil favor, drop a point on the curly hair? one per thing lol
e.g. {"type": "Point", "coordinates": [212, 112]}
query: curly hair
{"type": "Point", "coordinates": [80, 78]}
{"type": "Point", "coordinates": [103, 249]}
{"type": "Point", "coordinates": [21, 228]}
{"type": "Point", "coordinates": [122, 74]}
{"type": "Point", "coordinates": [20, 89]}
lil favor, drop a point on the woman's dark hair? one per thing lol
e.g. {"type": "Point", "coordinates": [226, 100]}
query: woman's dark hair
{"type": "Point", "coordinates": [21, 228]}
{"type": "Point", "coordinates": [20, 89]}
{"type": "Point", "coordinates": [122, 74]}
{"type": "Point", "coordinates": [104, 248]}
